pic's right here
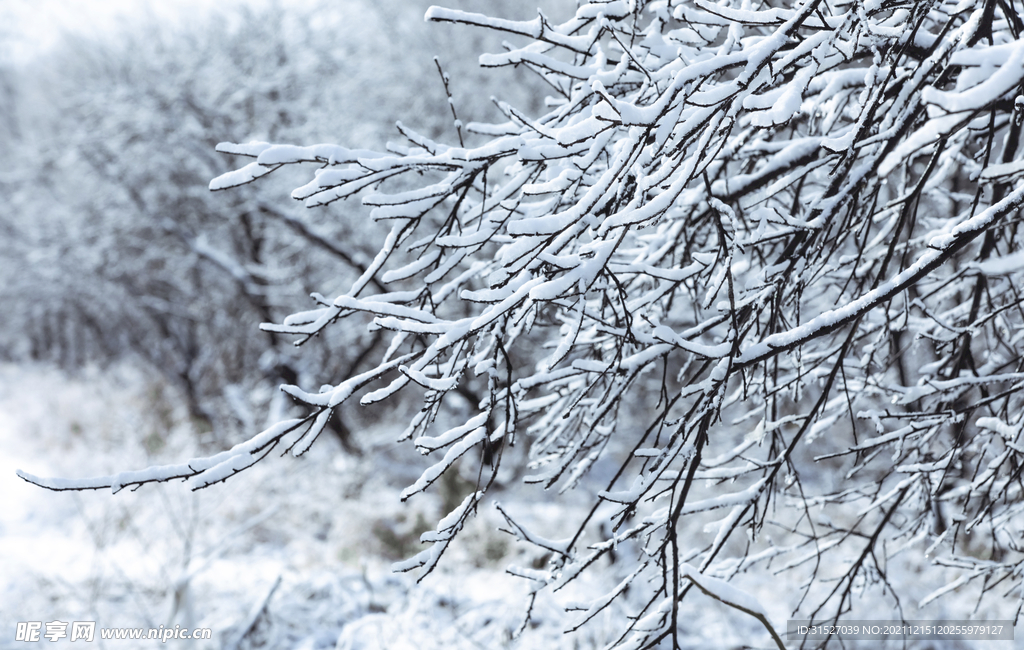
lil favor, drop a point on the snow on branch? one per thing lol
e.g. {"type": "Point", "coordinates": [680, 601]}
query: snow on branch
{"type": "Point", "coordinates": [209, 470]}
{"type": "Point", "coordinates": [439, 539]}
{"type": "Point", "coordinates": [725, 593]}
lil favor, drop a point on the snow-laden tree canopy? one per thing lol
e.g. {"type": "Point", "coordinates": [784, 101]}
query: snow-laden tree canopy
{"type": "Point", "coordinates": [754, 271]}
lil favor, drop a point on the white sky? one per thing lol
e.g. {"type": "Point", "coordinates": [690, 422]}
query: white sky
{"type": "Point", "coordinates": [30, 26]}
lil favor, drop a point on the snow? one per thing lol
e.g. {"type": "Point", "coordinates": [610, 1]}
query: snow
{"type": "Point", "coordinates": [434, 472]}
{"type": "Point", "coordinates": [739, 498]}
{"type": "Point", "coordinates": [241, 176]}
{"type": "Point", "coordinates": [378, 307]}
{"type": "Point", "coordinates": [428, 443]}
{"type": "Point", "coordinates": [994, 85]}
{"type": "Point", "coordinates": [1003, 265]}
{"type": "Point", "coordinates": [668, 335]}
{"type": "Point", "coordinates": [666, 258]}
{"type": "Point", "coordinates": [533, 28]}
{"type": "Point", "coordinates": [723, 591]}
{"type": "Point", "coordinates": [826, 321]}
{"type": "Point", "coordinates": [260, 525]}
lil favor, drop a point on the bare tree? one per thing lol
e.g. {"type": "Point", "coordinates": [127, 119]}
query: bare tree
{"type": "Point", "coordinates": [761, 258]}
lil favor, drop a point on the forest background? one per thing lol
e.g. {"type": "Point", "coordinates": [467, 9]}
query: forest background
{"type": "Point", "coordinates": [130, 336]}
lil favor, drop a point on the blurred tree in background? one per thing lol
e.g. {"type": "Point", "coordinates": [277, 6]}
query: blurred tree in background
{"type": "Point", "coordinates": [116, 249]}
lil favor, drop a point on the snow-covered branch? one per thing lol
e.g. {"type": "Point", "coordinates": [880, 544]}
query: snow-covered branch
{"type": "Point", "coordinates": [733, 229]}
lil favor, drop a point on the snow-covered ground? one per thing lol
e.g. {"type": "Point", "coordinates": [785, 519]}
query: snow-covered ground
{"type": "Point", "coordinates": [294, 553]}
{"type": "Point", "coordinates": [327, 525]}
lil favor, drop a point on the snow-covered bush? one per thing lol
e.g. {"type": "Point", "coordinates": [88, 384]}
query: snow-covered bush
{"type": "Point", "coordinates": [753, 275]}
{"type": "Point", "coordinates": [107, 251]}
